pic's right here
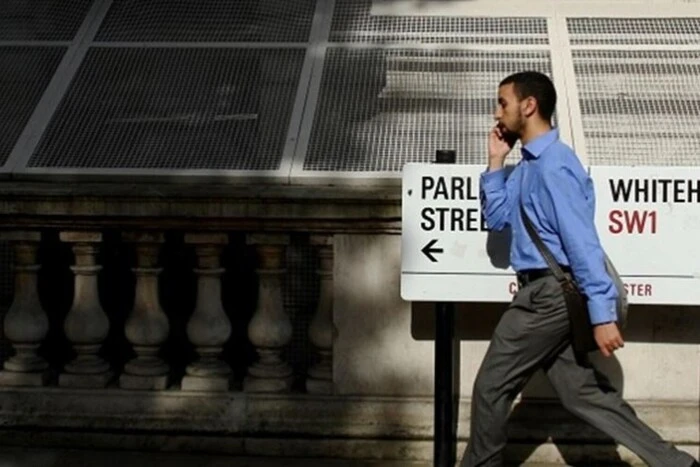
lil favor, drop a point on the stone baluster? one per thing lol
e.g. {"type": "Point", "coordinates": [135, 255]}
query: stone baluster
{"type": "Point", "coordinates": [147, 326]}
{"type": "Point", "coordinates": [86, 325]}
{"type": "Point", "coordinates": [209, 328]}
{"type": "Point", "coordinates": [322, 331]}
{"type": "Point", "coordinates": [26, 323]}
{"type": "Point", "coordinates": [270, 328]}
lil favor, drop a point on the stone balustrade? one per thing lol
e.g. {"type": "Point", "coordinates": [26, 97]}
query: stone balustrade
{"type": "Point", "coordinates": [148, 328]}
{"type": "Point", "coordinates": [26, 323]}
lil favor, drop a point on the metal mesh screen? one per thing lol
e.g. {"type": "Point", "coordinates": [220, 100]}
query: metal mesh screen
{"type": "Point", "coordinates": [657, 31]}
{"type": "Point", "coordinates": [640, 107]}
{"type": "Point", "coordinates": [175, 109]}
{"type": "Point", "coordinates": [209, 20]}
{"type": "Point", "coordinates": [379, 109]}
{"type": "Point", "coordinates": [26, 71]}
{"type": "Point", "coordinates": [353, 22]}
{"type": "Point", "coordinates": [46, 20]}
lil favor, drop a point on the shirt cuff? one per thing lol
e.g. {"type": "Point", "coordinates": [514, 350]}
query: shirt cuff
{"type": "Point", "coordinates": [493, 180]}
{"type": "Point", "coordinates": [602, 311]}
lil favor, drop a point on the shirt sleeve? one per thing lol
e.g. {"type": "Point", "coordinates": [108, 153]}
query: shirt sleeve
{"type": "Point", "coordinates": [566, 206]}
{"type": "Point", "coordinates": [495, 199]}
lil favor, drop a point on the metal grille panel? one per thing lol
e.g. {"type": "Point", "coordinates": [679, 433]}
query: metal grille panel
{"type": "Point", "coordinates": [642, 31]}
{"type": "Point", "coordinates": [45, 20]}
{"type": "Point", "coordinates": [352, 22]}
{"type": "Point", "coordinates": [25, 74]}
{"type": "Point", "coordinates": [175, 109]}
{"type": "Point", "coordinates": [379, 109]}
{"type": "Point", "coordinates": [209, 20]}
{"type": "Point", "coordinates": [640, 107]}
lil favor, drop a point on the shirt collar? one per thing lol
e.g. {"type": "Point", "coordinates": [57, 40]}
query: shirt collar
{"type": "Point", "coordinates": [537, 146]}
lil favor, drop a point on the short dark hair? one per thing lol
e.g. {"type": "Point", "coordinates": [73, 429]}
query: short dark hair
{"type": "Point", "coordinates": [537, 85]}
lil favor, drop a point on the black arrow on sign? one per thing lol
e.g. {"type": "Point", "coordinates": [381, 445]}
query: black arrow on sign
{"type": "Point", "coordinates": [428, 250]}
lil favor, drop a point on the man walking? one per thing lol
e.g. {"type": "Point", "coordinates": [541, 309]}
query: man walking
{"type": "Point", "coordinates": [557, 196]}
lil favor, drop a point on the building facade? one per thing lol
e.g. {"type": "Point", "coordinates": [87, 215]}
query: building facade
{"type": "Point", "coordinates": [200, 209]}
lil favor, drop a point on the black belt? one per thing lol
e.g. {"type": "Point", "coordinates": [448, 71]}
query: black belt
{"type": "Point", "coordinates": [526, 276]}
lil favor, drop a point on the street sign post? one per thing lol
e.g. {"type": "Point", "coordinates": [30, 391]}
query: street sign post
{"type": "Point", "coordinates": [446, 361]}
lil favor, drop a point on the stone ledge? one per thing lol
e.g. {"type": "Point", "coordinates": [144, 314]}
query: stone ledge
{"type": "Point", "coordinates": [545, 453]}
{"type": "Point", "coordinates": [305, 211]}
{"type": "Point", "coordinates": [372, 192]}
{"type": "Point", "coordinates": [370, 208]}
{"type": "Point", "coordinates": [304, 416]}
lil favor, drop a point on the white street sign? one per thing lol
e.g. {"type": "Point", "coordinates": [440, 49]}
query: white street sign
{"type": "Point", "coordinates": [648, 219]}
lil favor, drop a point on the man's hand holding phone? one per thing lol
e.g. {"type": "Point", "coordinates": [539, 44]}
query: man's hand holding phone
{"type": "Point", "coordinates": [501, 141]}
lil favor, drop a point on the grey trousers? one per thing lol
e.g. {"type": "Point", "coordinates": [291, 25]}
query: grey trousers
{"type": "Point", "coordinates": [532, 334]}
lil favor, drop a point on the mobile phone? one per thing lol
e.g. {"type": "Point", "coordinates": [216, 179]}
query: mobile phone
{"type": "Point", "coordinates": [508, 136]}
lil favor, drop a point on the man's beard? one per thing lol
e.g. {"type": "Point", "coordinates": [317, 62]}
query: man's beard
{"type": "Point", "coordinates": [519, 126]}
{"type": "Point", "coordinates": [512, 135]}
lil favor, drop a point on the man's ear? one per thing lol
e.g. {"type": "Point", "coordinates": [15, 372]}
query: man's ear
{"type": "Point", "coordinates": [529, 106]}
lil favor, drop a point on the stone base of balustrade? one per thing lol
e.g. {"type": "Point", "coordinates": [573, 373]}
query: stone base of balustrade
{"type": "Point", "coordinates": [86, 381]}
{"type": "Point", "coordinates": [16, 378]}
{"type": "Point", "coordinates": [319, 386]}
{"type": "Point", "coordinates": [152, 383]}
{"type": "Point", "coordinates": [206, 383]}
{"type": "Point", "coordinates": [272, 385]}
{"type": "Point", "coordinates": [352, 427]}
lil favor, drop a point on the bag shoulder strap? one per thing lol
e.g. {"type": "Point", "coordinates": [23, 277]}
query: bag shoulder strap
{"type": "Point", "coordinates": [548, 256]}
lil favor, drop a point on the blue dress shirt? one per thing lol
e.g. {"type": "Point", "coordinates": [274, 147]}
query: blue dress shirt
{"type": "Point", "coordinates": [559, 199]}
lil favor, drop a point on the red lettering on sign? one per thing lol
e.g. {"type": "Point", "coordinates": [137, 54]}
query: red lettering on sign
{"type": "Point", "coordinates": [638, 289]}
{"type": "Point", "coordinates": [513, 288]}
{"type": "Point", "coordinates": [633, 289]}
{"type": "Point", "coordinates": [623, 221]}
